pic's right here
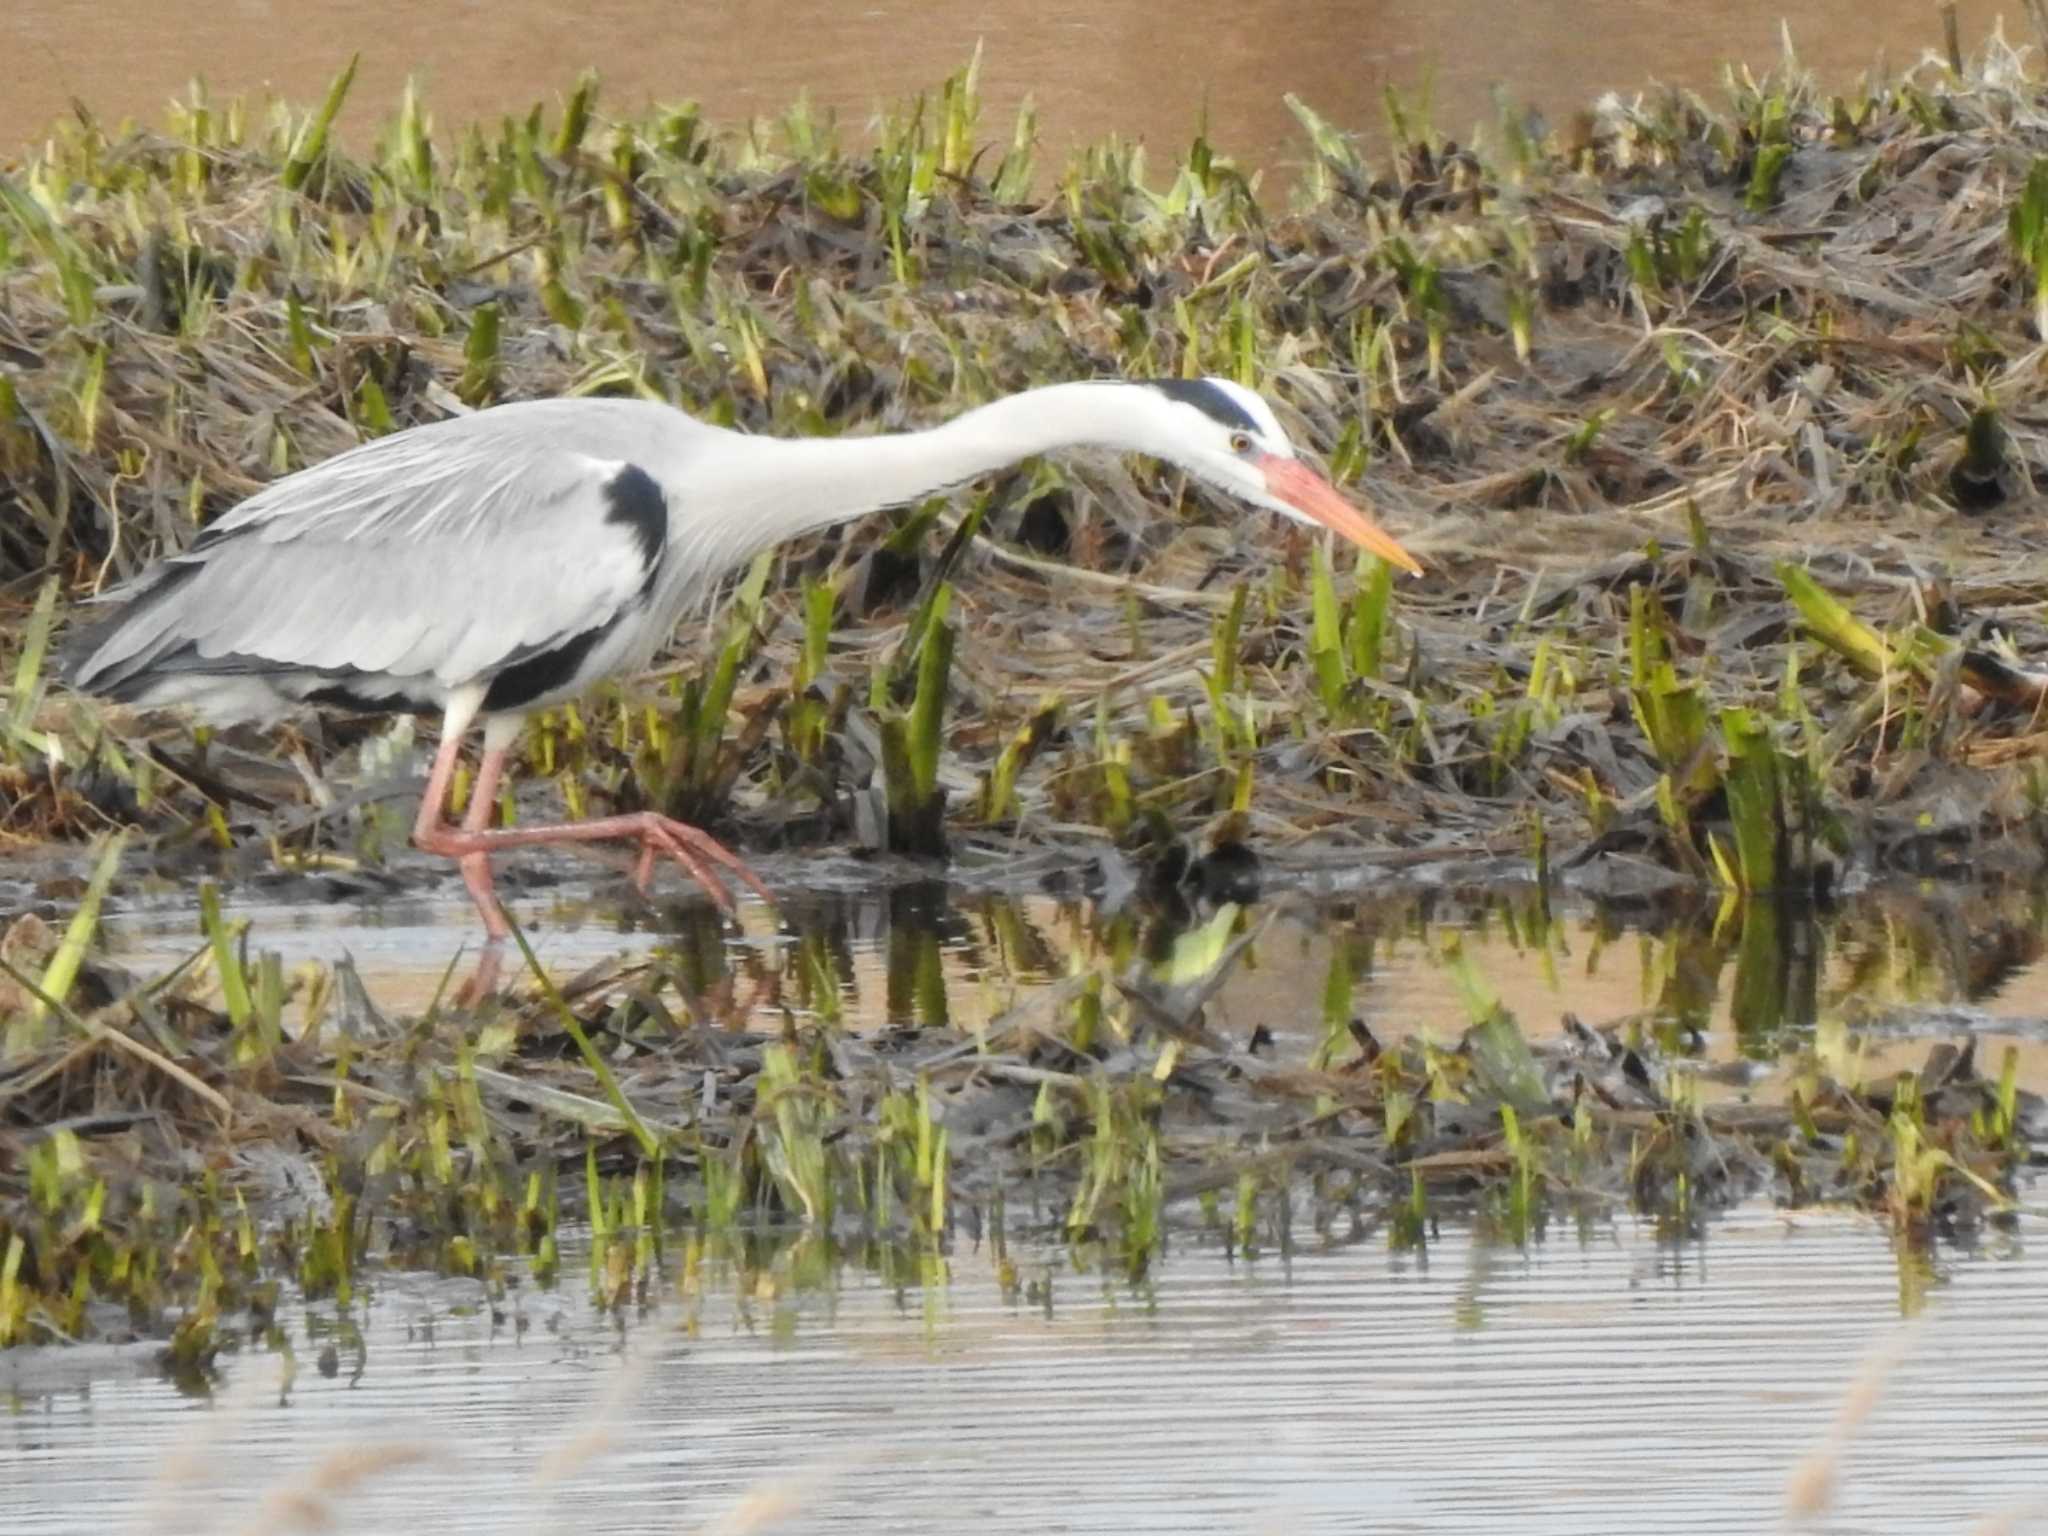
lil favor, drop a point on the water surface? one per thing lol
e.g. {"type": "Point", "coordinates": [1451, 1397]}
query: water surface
{"type": "Point", "coordinates": [1094, 67]}
{"type": "Point", "coordinates": [1599, 1382]}
{"type": "Point", "coordinates": [1903, 964]}
{"type": "Point", "coordinates": [1603, 1379]}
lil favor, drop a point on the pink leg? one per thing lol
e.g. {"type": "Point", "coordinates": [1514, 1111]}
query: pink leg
{"type": "Point", "coordinates": [429, 832]}
{"type": "Point", "coordinates": [476, 867]}
{"type": "Point", "coordinates": [484, 980]}
{"type": "Point", "coordinates": [473, 842]}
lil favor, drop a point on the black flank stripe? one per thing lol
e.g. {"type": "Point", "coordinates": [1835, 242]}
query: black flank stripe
{"type": "Point", "coordinates": [1209, 400]}
{"type": "Point", "coordinates": [633, 500]}
{"type": "Point", "coordinates": [542, 672]}
{"type": "Point", "coordinates": [361, 699]}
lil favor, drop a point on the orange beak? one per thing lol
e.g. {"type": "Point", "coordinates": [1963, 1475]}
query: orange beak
{"type": "Point", "coordinates": [1293, 482]}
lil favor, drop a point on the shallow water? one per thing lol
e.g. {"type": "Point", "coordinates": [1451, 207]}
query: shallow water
{"type": "Point", "coordinates": [1904, 964]}
{"type": "Point", "coordinates": [1094, 67]}
{"type": "Point", "coordinates": [1604, 1379]}
{"type": "Point", "coordinates": [1598, 1382]}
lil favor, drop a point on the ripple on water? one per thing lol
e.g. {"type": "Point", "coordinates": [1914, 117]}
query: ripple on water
{"type": "Point", "coordinates": [1606, 1385]}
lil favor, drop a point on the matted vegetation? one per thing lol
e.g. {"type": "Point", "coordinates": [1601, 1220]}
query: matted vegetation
{"type": "Point", "coordinates": [1714, 426]}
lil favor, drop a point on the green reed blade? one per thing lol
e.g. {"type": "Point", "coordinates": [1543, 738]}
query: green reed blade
{"type": "Point", "coordinates": [311, 142]}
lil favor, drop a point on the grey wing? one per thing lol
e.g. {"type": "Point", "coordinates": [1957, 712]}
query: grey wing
{"type": "Point", "coordinates": [440, 553]}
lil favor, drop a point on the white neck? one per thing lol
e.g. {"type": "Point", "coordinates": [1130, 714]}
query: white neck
{"type": "Point", "coordinates": [767, 489]}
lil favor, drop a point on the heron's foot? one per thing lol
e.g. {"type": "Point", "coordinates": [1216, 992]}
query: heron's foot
{"type": "Point", "coordinates": [700, 854]}
{"type": "Point", "coordinates": [697, 851]}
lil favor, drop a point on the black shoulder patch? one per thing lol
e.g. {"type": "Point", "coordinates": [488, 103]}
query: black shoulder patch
{"type": "Point", "coordinates": [1209, 400]}
{"type": "Point", "coordinates": [634, 501]}
{"type": "Point", "coordinates": [541, 672]}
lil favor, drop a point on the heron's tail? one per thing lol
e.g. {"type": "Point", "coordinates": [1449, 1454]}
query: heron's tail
{"type": "Point", "coordinates": [114, 656]}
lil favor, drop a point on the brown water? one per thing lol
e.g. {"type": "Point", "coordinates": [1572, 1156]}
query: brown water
{"type": "Point", "coordinates": [1151, 71]}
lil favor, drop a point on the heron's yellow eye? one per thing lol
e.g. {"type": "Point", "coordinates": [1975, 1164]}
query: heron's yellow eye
{"type": "Point", "coordinates": [1240, 442]}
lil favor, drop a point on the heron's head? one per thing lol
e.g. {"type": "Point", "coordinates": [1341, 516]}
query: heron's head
{"type": "Point", "coordinates": [1228, 436]}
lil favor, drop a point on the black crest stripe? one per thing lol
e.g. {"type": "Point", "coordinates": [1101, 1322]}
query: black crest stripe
{"type": "Point", "coordinates": [1209, 400]}
{"type": "Point", "coordinates": [634, 501]}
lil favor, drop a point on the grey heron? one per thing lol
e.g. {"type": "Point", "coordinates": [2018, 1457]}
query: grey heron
{"type": "Point", "coordinates": [485, 566]}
